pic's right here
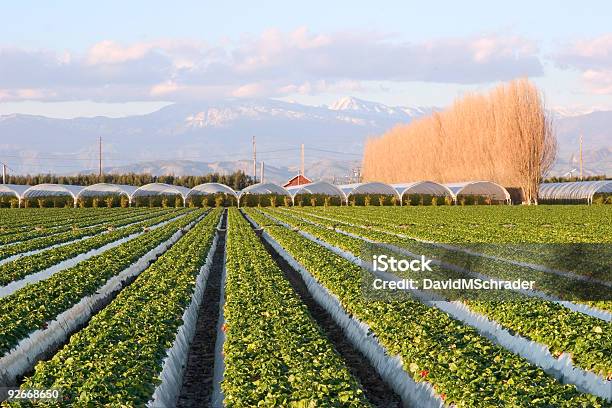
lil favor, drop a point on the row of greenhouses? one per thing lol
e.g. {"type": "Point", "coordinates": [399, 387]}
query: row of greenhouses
{"type": "Point", "coordinates": [264, 194]}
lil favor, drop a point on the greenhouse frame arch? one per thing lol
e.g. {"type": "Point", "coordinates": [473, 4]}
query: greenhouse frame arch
{"type": "Point", "coordinates": [318, 187]}
{"type": "Point", "coordinates": [370, 187]}
{"type": "Point", "coordinates": [263, 189]}
{"type": "Point", "coordinates": [52, 190]}
{"type": "Point", "coordinates": [101, 189]}
{"type": "Point", "coordinates": [212, 188]}
{"type": "Point", "coordinates": [574, 191]}
{"type": "Point", "coordinates": [423, 187]}
{"type": "Point", "coordinates": [14, 189]}
{"type": "Point", "coordinates": [480, 188]}
{"type": "Point", "coordinates": [156, 189]}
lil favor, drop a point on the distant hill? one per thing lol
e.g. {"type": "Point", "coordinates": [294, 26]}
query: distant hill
{"type": "Point", "coordinates": [205, 137]}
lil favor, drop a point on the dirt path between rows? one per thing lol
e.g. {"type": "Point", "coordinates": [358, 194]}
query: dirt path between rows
{"type": "Point", "coordinates": [376, 390]}
{"type": "Point", "coordinates": [198, 377]}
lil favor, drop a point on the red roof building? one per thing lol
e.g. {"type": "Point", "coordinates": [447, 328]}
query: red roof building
{"type": "Point", "coordinates": [298, 180]}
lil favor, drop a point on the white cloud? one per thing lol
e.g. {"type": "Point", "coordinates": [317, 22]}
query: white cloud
{"type": "Point", "coordinates": [587, 53]}
{"type": "Point", "coordinates": [273, 63]}
{"type": "Point", "coordinates": [593, 57]}
{"type": "Point", "coordinates": [599, 81]}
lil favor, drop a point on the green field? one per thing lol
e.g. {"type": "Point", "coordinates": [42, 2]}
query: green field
{"type": "Point", "coordinates": [466, 350]}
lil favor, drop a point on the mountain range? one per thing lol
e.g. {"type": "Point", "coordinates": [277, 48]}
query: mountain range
{"type": "Point", "coordinates": [198, 138]}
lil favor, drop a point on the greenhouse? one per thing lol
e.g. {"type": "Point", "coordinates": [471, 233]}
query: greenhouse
{"type": "Point", "coordinates": [374, 193]}
{"type": "Point", "coordinates": [212, 194]}
{"type": "Point", "coordinates": [105, 189]}
{"type": "Point", "coordinates": [575, 191]}
{"type": "Point", "coordinates": [9, 190]}
{"type": "Point", "coordinates": [64, 194]}
{"type": "Point", "coordinates": [156, 193]}
{"type": "Point", "coordinates": [59, 194]}
{"type": "Point", "coordinates": [421, 191]}
{"type": "Point", "coordinates": [473, 190]}
{"type": "Point", "coordinates": [264, 194]}
{"type": "Point", "coordinates": [318, 193]}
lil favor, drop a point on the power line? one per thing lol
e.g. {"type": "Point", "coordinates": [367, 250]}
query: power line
{"type": "Point", "coordinates": [334, 151]}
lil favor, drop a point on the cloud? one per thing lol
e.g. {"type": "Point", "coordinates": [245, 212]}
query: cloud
{"type": "Point", "coordinates": [599, 81]}
{"type": "Point", "coordinates": [274, 63]}
{"type": "Point", "coordinates": [593, 53]}
{"type": "Point", "coordinates": [593, 58]}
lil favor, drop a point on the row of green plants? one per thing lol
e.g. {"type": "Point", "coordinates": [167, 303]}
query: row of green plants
{"type": "Point", "coordinates": [27, 265]}
{"type": "Point", "coordinates": [567, 238]}
{"type": "Point", "coordinates": [12, 222]}
{"type": "Point", "coordinates": [488, 224]}
{"type": "Point", "coordinates": [53, 238]}
{"type": "Point", "coordinates": [33, 306]}
{"type": "Point", "coordinates": [55, 226]}
{"type": "Point", "coordinates": [464, 368]}
{"type": "Point", "coordinates": [586, 338]}
{"type": "Point", "coordinates": [274, 352]}
{"type": "Point", "coordinates": [116, 359]}
{"type": "Point", "coordinates": [564, 287]}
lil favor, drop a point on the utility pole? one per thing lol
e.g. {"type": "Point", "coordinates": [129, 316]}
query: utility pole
{"type": "Point", "coordinates": [581, 174]}
{"type": "Point", "coordinates": [254, 161]}
{"type": "Point", "coordinates": [357, 175]}
{"type": "Point", "coordinates": [100, 157]}
{"type": "Point", "coordinates": [262, 179]}
{"type": "Point", "coordinates": [301, 164]}
{"type": "Point", "coordinates": [302, 161]}
{"type": "Point", "coordinates": [3, 173]}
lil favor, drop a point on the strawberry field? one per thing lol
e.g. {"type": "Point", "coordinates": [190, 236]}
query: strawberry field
{"type": "Point", "coordinates": [278, 307]}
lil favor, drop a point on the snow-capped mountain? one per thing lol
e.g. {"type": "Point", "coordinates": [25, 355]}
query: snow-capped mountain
{"type": "Point", "coordinates": [203, 132]}
{"type": "Point", "coordinates": [350, 104]}
{"type": "Point", "coordinates": [175, 137]}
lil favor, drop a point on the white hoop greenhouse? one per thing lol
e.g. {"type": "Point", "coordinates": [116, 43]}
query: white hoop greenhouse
{"type": "Point", "coordinates": [94, 190]}
{"type": "Point", "coordinates": [480, 188]}
{"type": "Point", "coordinates": [212, 188]}
{"type": "Point", "coordinates": [571, 191]}
{"type": "Point", "coordinates": [263, 189]}
{"type": "Point", "coordinates": [52, 190]}
{"type": "Point", "coordinates": [105, 189]}
{"type": "Point", "coordinates": [320, 188]}
{"type": "Point", "coordinates": [13, 189]}
{"type": "Point", "coordinates": [372, 187]}
{"type": "Point", "coordinates": [423, 187]}
{"type": "Point", "coordinates": [574, 191]}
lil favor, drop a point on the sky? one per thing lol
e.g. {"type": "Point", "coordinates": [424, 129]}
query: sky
{"type": "Point", "coordinates": [119, 58]}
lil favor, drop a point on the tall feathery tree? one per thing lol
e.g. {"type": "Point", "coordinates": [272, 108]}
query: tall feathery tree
{"type": "Point", "coordinates": [504, 136]}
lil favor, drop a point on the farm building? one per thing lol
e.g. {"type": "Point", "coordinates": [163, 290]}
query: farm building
{"type": "Point", "coordinates": [298, 180]}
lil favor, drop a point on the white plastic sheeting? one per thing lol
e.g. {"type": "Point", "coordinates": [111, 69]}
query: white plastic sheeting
{"type": "Point", "coordinates": [537, 353]}
{"type": "Point", "coordinates": [373, 187]}
{"type": "Point", "coordinates": [577, 190]}
{"type": "Point", "coordinates": [99, 189]}
{"type": "Point", "coordinates": [265, 188]}
{"type": "Point", "coordinates": [153, 189]}
{"type": "Point", "coordinates": [319, 187]}
{"type": "Point", "coordinates": [24, 356]}
{"type": "Point", "coordinates": [480, 188]}
{"type": "Point", "coordinates": [212, 188]}
{"type": "Point", "coordinates": [103, 189]}
{"type": "Point", "coordinates": [13, 189]}
{"type": "Point", "coordinates": [389, 367]}
{"type": "Point", "coordinates": [423, 187]}
{"type": "Point", "coordinates": [173, 368]}
{"type": "Point", "coordinates": [47, 190]}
